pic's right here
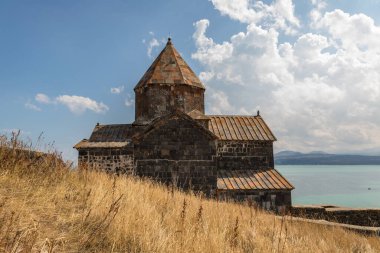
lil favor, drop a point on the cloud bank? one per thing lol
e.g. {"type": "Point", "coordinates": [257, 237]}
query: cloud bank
{"type": "Point", "coordinates": [76, 104]}
{"type": "Point", "coordinates": [79, 105]}
{"type": "Point", "coordinates": [320, 91]}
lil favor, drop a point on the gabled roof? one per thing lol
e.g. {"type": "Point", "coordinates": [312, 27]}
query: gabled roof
{"type": "Point", "coordinates": [104, 144]}
{"type": "Point", "coordinates": [110, 136]}
{"type": "Point", "coordinates": [240, 128]}
{"type": "Point", "coordinates": [169, 68]}
{"type": "Point", "coordinates": [109, 133]}
{"type": "Point", "coordinates": [161, 121]}
{"type": "Point", "coordinates": [267, 179]}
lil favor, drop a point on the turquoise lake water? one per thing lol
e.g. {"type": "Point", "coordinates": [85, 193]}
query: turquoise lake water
{"type": "Point", "coordinates": [342, 185]}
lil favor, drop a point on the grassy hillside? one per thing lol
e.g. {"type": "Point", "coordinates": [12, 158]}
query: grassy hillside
{"type": "Point", "coordinates": [46, 207]}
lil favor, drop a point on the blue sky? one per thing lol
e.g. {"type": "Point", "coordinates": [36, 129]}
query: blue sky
{"type": "Point", "coordinates": [59, 61]}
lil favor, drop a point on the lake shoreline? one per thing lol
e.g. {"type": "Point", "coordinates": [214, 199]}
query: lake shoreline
{"type": "Point", "coordinates": [351, 186]}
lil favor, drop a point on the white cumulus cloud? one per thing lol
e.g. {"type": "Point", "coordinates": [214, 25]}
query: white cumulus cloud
{"type": "Point", "coordinates": [129, 102]}
{"type": "Point", "coordinates": [279, 14]}
{"type": "Point", "coordinates": [152, 43]}
{"type": "Point", "coordinates": [117, 90]}
{"type": "Point", "coordinates": [42, 98]}
{"type": "Point", "coordinates": [76, 104]}
{"type": "Point", "coordinates": [79, 104]}
{"type": "Point", "coordinates": [318, 91]}
{"type": "Point", "coordinates": [32, 106]}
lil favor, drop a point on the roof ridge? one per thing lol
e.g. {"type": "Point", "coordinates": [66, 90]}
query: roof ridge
{"type": "Point", "coordinates": [176, 60]}
{"type": "Point", "coordinates": [231, 115]}
{"type": "Point", "coordinates": [114, 124]}
{"type": "Point", "coordinates": [163, 71]}
{"type": "Point", "coordinates": [155, 124]}
{"type": "Point", "coordinates": [180, 56]}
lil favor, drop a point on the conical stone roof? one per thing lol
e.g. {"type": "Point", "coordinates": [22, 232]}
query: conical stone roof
{"type": "Point", "coordinates": [169, 68]}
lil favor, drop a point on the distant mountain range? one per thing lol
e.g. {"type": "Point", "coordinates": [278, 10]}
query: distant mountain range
{"type": "Point", "coordinates": [323, 158]}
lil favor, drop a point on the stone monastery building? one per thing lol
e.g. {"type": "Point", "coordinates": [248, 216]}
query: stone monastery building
{"type": "Point", "coordinates": [174, 142]}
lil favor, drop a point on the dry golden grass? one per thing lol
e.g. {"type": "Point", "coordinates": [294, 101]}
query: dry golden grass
{"type": "Point", "coordinates": [47, 207]}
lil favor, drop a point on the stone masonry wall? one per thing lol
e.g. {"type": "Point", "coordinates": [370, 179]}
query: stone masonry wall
{"type": "Point", "coordinates": [177, 139]}
{"type": "Point", "coordinates": [179, 152]}
{"type": "Point", "coordinates": [238, 155]}
{"type": "Point", "coordinates": [157, 100]}
{"type": "Point", "coordinates": [353, 216]}
{"type": "Point", "coordinates": [278, 201]}
{"type": "Point", "coordinates": [112, 160]}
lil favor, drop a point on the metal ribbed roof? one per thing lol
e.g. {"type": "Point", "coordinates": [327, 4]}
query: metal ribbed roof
{"type": "Point", "coordinates": [87, 144]}
{"type": "Point", "coordinates": [118, 135]}
{"type": "Point", "coordinates": [169, 68]}
{"type": "Point", "coordinates": [268, 179]}
{"type": "Point", "coordinates": [240, 128]}
{"type": "Point", "coordinates": [111, 133]}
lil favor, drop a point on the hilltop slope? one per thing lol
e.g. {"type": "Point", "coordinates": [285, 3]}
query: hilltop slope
{"type": "Point", "coordinates": [45, 206]}
{"type": "Point", "coordinates": [322, 158]}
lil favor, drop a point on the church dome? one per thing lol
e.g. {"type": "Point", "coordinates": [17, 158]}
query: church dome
{"type": "Point", "coordinates": [168, 84]}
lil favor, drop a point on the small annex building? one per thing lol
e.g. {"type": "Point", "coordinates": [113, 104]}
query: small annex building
{"type": "Point", "coordinates": [173, 141]}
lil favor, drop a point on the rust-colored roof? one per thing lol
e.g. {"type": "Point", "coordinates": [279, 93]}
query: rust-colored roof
{"type": "Point", "coordinates": [169, 68]}
{"type": "Point", "coordinates": [268, 179]}
{"type": "Point", "coordinates": [110, 136]}
{"type": "Point", "coordinates": [106, 144]}
{"type": "Point", "coordinates": [117, 133]}
{"type": "Point", "coordinates": [240, 128]}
